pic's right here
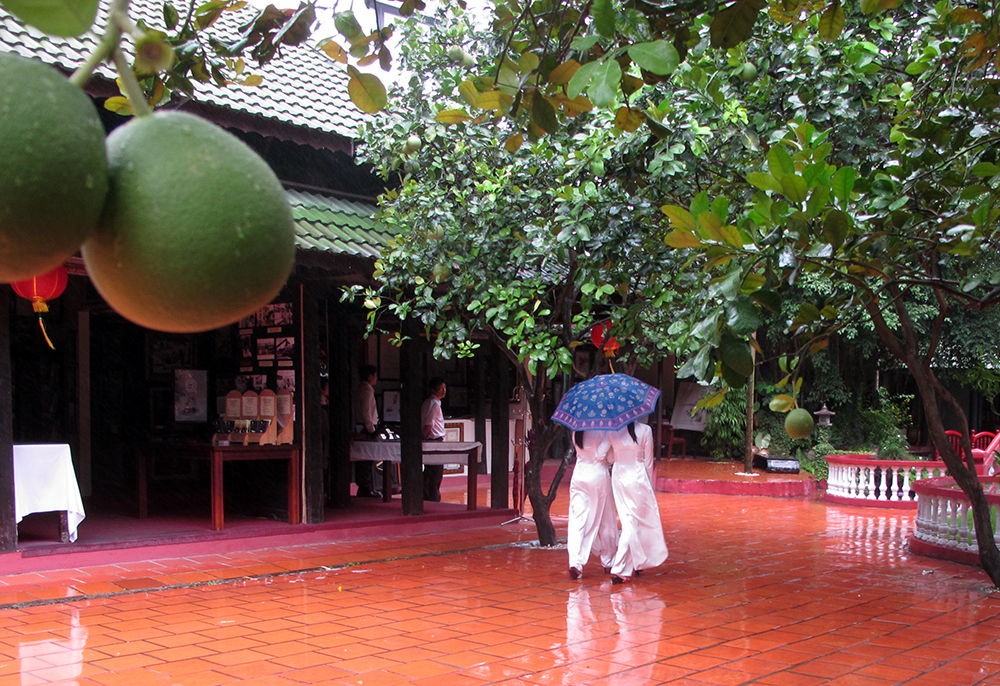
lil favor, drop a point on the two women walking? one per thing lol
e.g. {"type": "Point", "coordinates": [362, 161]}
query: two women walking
{"type": "Point", "coordinates": [596, 493]}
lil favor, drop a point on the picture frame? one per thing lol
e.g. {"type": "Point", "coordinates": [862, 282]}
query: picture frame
{"type": "Point", "coordinates": [390, 406]}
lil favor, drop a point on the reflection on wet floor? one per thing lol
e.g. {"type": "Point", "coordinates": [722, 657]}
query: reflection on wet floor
{"type": "Point", "coordinates": [770, 591]}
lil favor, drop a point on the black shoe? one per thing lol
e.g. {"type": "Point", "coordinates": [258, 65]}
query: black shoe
{"type": "Point", "coordinates": [575, 573]}
{"type": "Point", "coordinates": [368, 493]}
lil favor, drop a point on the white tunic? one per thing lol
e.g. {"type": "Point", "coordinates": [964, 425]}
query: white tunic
{"type": "Point", "coordinates": [641, 544]}
{"type": "Point", "coordinates": [592, 526]}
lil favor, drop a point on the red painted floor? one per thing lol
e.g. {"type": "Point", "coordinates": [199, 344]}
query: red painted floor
{"type": "Point", "coordinates": [771, 591]}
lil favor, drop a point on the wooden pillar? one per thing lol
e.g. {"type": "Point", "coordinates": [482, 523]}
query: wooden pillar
{"type": "Point", "coordinates": [500, 434]}
{"type": "Point", "coordinates": [313, 459]}
{"type": "Point", "coordinates": [410, 432]}
{"type": "Point", "coordinates": [8, 523]}
{"type": "Point", "coordinates": [339, 368]}
{"type": "Point", "coordinates": [479, 403]}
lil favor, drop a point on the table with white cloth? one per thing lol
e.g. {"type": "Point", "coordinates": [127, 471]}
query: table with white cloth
{"type": "Point", "coordinates": [45, 481]}
{"type": "Point", "coordinates": [435, 452]}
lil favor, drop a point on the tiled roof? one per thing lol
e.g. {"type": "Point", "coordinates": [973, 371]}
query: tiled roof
{"type": "Point", "coordinates": [302, 87]}
{"type": "Point", "coordinates": [336, 226]}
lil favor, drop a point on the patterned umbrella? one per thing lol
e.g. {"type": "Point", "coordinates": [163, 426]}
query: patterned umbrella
{"type": "Point", "coordinates": [606, 402]}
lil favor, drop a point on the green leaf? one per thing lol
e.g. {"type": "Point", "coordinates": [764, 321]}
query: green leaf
{"type": "Point", "coordinates": [603, 12]}
{"type": "Point", "coordinates": [781, 403]}
{"type": "Point", "coordinates": [768, 299]}
{"type": "Point", "coordinates": [680, 218]}
{"type": "Point", "coordinates": [452, 116]}
{"type": "Point", "coordinates": [603, 89]}
{"type": "Point", "coordinates": [581, 79]}
{"type": "Point", "coordinates": [735, 354]}
{"type": "Point", "coordinates": [732, 236]}
{"type": "Point", "coordinates": [710, 226]}
{"type": "Point", "coordinates": [658, 57]}
{"type": "Point", "coordinates": [64, 18]}
{"type": "Point", "coordinates": [986, 169]}
{"type": "Point", "coordinates": [764, 181]}
{"type": "Point", "coordinates": [842, 185]}
{"type": "Point", "coordinates": [347, 24]}
{"type": "Point", "coordinates": [584, 43]}
{"type": "Point", "coordinates": [836, 226]}
{"type": "Point", "coordinates": [734, 24]}
{"type": "Point", "coordinates": [779, 162]}
{"type": "Point", "coordinates": [543, 115]}
{"type": "Point", "coordinates": [682, 239]}
{"type": "Point", "coordinates": [831, 22]}
{"type": "Point", "coordinates": [366, 91]}
{"type": "Point", "coordinates": [794, 188]}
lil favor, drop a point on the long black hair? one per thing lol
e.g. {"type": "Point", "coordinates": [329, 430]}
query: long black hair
{"type": "Point", "coordinates": [578, 439]}
{"type": "Point", "coordinates": [631, 432]}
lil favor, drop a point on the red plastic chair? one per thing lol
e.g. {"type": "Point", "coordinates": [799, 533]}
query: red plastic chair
{"type": "Point", "coordinates": [982, 439]}
{"type": "Point", "coordinates": [955, 438]}
{"type": "Point", "coordinates": [670, 440]}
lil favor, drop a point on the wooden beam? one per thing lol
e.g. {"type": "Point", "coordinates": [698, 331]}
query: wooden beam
{"type": "Point", "coordinates": [340, 367]}
{"type": "Point", "coordinates": [8, 522]}
{"type": "Point", "coordinates": [410, 432]}
{"type": "Point", "coordinates": [500, 434]}
{"type": "Point", "coordinates": [314, 459]}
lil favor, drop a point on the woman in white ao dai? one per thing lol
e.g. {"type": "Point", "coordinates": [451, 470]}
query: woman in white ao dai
{"type": "Point", "coordinates": [592, 526]}
{"type": "Point", "coordinates": [641, 544]}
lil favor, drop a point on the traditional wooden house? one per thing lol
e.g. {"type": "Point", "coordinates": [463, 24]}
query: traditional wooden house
{"type": "Point", "coordinates": [135, 405]}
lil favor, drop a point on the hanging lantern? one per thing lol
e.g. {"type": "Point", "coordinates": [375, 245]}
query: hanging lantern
{"type": "Point", "coordinates": [601, 340]}
{"type": "Point", "coordinates": [39, 290]}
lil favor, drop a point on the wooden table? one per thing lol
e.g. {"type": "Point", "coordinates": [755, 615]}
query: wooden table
{"type": "Point", "coordinates": [239, 453]}
{"type": "Point", "coordinates": [217, 456]}
{"type": "Point", "coordinates": [435, 452]}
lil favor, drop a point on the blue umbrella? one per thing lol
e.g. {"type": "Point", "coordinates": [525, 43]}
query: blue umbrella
{"type": "Point", "coordinates": [606, 402]}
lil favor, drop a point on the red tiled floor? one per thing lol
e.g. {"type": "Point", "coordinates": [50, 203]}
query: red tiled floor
{"type": "Point", "coordinates": [799, 593]}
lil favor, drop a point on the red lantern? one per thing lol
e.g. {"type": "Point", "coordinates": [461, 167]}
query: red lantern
{"type": "Point", "coordinates": [599, 336]}
{"type": "Point", "coordinates": [39, 290]}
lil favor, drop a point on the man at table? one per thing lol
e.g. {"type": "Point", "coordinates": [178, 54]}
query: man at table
{"type": "Point", "coordinates": [432, 423]}
{"type": "Point", "coordinates": [366, 424]}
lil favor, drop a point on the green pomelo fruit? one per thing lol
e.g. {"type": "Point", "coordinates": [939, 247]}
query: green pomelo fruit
{"type": "Point", "coordinates": [413, 143]}
{"type": "Point", "coordinates": [455, 53]}
{"type": "Point", "coordinates": [799, 423]}
{"type": "Point", "coordinates": [197, 231]}
{"type": "Point", "coordinates": [53, 168]}
{"type": "Point", "coordinates": [749, 72]}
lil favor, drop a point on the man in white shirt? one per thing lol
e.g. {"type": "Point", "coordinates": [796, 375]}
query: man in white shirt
{"type": "Point", "coordinates": [432, 424]}
{"type": "Point", "coordinates": [366, 423]}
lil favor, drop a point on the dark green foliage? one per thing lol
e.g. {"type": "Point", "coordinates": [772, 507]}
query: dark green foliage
{"type": "Point", "coordinates": [725, 430]}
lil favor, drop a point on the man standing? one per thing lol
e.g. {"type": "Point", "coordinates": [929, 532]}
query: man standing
{"type": "Point", "coordinates": [432, 423]}
{"type": "Point", "coordinates": [366, 423]}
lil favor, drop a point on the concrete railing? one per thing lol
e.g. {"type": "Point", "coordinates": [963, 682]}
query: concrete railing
{"type": "Point", "coordinates": [860, 479]}
{"type": "Point", "coordinates": [944, 527]}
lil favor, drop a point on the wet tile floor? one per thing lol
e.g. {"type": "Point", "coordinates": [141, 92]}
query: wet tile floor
{"type": "Point", "coordinates": [779, 592]}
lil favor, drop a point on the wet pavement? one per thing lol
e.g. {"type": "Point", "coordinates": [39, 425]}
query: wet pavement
{"type": "Point", "coordinates": [775, 591]}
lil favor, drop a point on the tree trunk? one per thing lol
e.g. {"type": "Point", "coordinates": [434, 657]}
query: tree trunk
{"type": "Point", "coordinates": [964, 474]}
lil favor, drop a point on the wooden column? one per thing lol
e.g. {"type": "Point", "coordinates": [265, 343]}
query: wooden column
{"type": "Point", "coordinates": [314, 461]}
{"type": "Point", "coordinates": [500, 434]}
{"type": "Point", "coordinates": [479, 402]}
{"type": "Point", "coordinates": [8, 525]}
{"type": "Point", "coordinates": [340, 368]}
{"type": "Point", "coordinates": [410, 433]}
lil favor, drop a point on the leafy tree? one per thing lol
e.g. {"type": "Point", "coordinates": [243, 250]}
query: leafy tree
{"type": "Point", "coordinates": [530, 245]}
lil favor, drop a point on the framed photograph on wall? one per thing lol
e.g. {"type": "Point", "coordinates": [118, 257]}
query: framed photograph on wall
{"type": "Point", "coordinates": [390, 406]}
{"type": "Point", "coordinates": [190, 395]}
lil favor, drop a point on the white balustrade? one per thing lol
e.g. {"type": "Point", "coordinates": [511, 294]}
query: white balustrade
{"type": "Point", "coordinates": [944, 516]}
{"type": "Point", "coordinates": [860, 479]}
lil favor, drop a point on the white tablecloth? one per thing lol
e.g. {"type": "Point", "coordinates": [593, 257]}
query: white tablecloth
{"type": "Point", "coordinates": [44, 481]}
{"type": "Point", "coordinates": [435, 452]}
